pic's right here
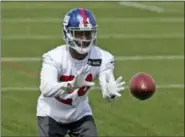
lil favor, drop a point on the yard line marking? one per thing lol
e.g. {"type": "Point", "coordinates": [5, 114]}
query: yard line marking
{"type": "Point", "coordinates": [21, 59]}
{"type": "Point", "coordinates": [171, 86]}
{"type": "Point", "coordinates": [117, 58]}
{"type": "Point", "coordinates": [143, 6]}
{"type": "Point", "coordinates": [117, 20]}
{"type": "Point", "coordinates": [117, 36]}
{"type": "Point", "coordinates": [122, 58]}
{"type": "Point", "coordinates": [52, 7]}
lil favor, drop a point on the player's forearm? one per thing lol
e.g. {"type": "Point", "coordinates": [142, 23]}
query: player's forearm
{"type": "Point", "coordinates": [107, 75]}
{"type": "Point", "coordinates": [50, 89]}
{"type": "Point", "coordinates": [49, 85]}
{"type": "Point", "coordinates": [104, 77]}
{"type": "Point", "coordinates": [102, 82]}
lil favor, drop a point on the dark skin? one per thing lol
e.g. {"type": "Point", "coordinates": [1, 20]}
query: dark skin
{"type": "Point", "coordinates": [77, 55]}
{"type": "Point", "coordinates": [84, 35]}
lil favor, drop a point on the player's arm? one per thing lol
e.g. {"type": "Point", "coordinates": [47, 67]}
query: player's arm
{"type": "Point", "coordinates": [49, 83]}
{"type": "Point", "coordinates": [109, 86]}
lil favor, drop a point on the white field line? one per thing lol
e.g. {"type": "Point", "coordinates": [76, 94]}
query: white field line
{"type": "Point", "coordinates": [117, 36]}
{"type": "Point", "coordinates": [103, 20]}
{"type": "Point", "coordinates": [39, 6]}
{"type": "Point", "coordinates": [140, 5]}
{"type": "Point", "coordinates": [86, 1]}
{"type": "Point", "coordinates": [122, 58]}
{"type": "Point", "coordinates": [171, 86]}
{"type": "Point", "coordinates": [117, 58]}
{"type": "Point", "coordinates": [64, 6]}
{"type": "Point", "coordinates": [20, 59]}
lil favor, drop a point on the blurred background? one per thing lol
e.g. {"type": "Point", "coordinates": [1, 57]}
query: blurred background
{"type": "Point", "coordinates": [143, 36]}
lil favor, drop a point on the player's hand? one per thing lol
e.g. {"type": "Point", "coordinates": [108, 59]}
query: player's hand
{"type": "Point", "coordinates": [113, 89]}
{"type": "Point", "coordinates": [79, 80]}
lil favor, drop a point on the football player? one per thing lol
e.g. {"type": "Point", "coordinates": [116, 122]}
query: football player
{"type": "Point", "coordinates": [67, 74]}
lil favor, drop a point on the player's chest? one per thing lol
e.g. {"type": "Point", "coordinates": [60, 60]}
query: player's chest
{"type": "Point", "coordinates": [70, 69]}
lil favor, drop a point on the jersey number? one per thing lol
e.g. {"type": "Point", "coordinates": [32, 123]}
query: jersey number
{"type": "Point", "coordinates": [80, 92]}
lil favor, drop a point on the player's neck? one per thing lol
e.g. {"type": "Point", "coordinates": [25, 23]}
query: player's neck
{"type": "Point", "coordinates": [76, 55]}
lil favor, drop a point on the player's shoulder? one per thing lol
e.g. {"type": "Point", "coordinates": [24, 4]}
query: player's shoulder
{"type": "Point", "coordinates": [100, 57]}
{"type": "Point", "coordinates": [101, 53]}
{"type": "Point", "coordinates": [56, 53]}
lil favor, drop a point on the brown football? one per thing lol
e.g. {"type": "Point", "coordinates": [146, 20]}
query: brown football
{"type": "Point", "coordinates": [142, 86]}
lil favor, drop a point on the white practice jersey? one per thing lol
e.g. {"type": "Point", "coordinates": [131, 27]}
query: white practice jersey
{"type": "Point", "coordinates": [58, 67]}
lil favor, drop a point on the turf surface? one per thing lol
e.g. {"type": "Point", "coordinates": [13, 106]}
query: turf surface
{"type": "Point", "coordinates": [31, 28]}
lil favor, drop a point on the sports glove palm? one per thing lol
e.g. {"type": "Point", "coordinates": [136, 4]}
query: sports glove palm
{"type": "Point", "coordinates": [79, 80]}
{"type": "Point", "coordinates": [113, 89]}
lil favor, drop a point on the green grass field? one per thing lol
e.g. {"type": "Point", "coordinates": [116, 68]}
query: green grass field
{"type": "Point", "coordinates": [31, 28]}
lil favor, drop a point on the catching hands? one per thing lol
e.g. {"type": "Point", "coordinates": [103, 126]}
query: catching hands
{"type": "Point", "coordinates": [79, 80]}
{"type": "Point", "coordinates": [113, 89]}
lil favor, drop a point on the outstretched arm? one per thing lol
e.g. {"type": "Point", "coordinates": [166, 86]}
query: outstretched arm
{"type": "Point", "coordinates": [110, 87]}
{"type": "Point", "coordinates": [49, 83]}
{"type": "Point", "coordinates": [49, 78]}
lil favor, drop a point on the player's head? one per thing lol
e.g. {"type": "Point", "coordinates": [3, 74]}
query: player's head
{"type": "Point", "coordinates": [80, 30]}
